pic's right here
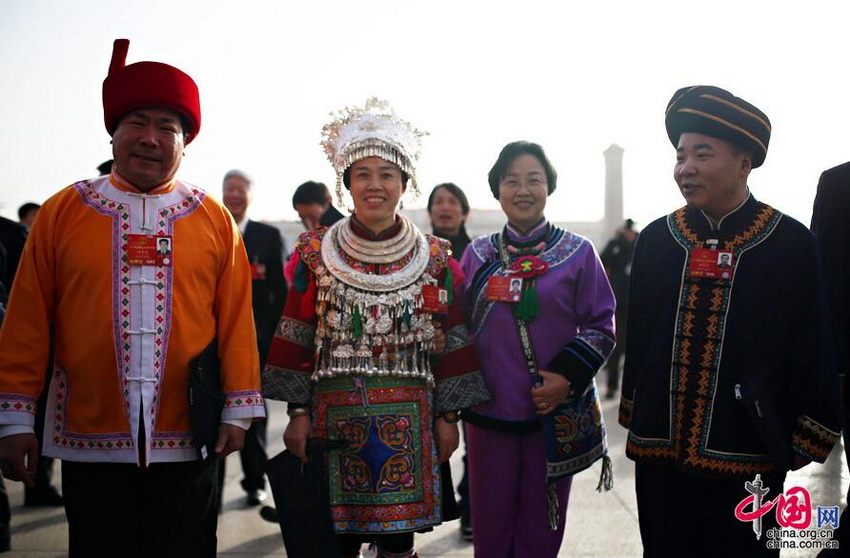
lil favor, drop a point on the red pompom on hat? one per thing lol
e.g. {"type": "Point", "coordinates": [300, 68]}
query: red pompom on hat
{"type": "Point", "coordinates": [147, 84]}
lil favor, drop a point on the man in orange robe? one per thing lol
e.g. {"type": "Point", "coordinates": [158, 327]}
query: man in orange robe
{"type": "Point", "coordinates": [127, 322]}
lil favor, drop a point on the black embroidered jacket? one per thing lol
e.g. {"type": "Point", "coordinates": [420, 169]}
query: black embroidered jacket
{"type": "Point", "coordinates": [729, 377]}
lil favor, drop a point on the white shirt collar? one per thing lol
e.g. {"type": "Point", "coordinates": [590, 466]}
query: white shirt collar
{"type": "Point", "coordinates": [242, 224]}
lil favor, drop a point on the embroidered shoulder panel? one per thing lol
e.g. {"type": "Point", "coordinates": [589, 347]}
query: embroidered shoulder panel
{"type": "Point", "coordinates": [561, 246]}
{"type": "Point", "coordinates": [486, 247]}
{"type": "Point", "coordinates": [440, 250]}
{"type": "Point", "coordinates": [759, 229]}
{"type": "Point", "coordinates": [309, 245]}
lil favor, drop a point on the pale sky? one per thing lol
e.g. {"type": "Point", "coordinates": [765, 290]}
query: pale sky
{"type": "Point", "coordinates": [572, 76]}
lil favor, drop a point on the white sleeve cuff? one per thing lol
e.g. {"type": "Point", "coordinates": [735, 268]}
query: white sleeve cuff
{"type": "Point", "coordinates": [243, 423]}
{"type": "Point", "coordinates": [10, 429]}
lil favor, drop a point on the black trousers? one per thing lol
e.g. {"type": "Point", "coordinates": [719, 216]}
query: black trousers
{"type": "Point", "coordinates": [686, 515]}
{"type": "Point", "coordinates": [119, 509]}
{"type": "Point", "coordinates": [612, 365]}
{"type": "Point", "coordinates": [842, 534]}
{"type": "Point", "coordinates": [254, 457]}
{"type": "Point", "coordinates": [464, 504]}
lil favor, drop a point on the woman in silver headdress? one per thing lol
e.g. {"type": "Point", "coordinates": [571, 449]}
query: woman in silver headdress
{"type": "Point", "coordinates": [355, 353]}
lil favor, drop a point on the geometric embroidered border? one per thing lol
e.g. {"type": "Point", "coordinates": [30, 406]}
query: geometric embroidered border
{"type": "Point", "coordinates": [297, 332]}
{"type": "Point", "coordinates": [812, 439]}
{"type": "Point", "coordinates": [461, 392]}
{"type": "Point", "coordinates": [456, 338]}
{"type": "Point", "coordinates": [18, 403]}
{"type": "Point", "coordinates": [286, 385]}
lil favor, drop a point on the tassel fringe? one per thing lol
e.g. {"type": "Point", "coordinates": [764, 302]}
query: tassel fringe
{"type": "Point", "coordinates": [552, 500]}
{"type": "Point", "coordinates": [606, 478]}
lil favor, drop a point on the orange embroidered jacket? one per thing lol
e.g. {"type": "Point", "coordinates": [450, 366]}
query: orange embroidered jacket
{"type": "Point", "coordinates": [125, 334]}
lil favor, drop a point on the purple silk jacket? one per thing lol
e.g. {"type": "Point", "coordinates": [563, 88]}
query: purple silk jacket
{"type": "Point", "coordinates": [572, 335]}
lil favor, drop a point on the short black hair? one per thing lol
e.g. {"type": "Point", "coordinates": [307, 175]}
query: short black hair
{"type": "Point", "coordinates": [26, 208]}
{"type": "Point", "coordinates": [454, 190]}
{"type": "Point", "coordinates": [105, 167]}
{"type": "Point", "coordinates": [510, 152]}
{"type": "Point", "coordinates": [346, 176]}
{"type": "Point", "coordinates": [738, 150]}
{"type": "Point", "coordinates": [312, 192]}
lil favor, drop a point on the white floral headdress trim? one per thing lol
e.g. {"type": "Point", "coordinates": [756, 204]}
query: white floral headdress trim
{"type": "Point", "coordinates": [371, 131]}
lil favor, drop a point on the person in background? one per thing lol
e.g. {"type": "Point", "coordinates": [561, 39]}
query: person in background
{"type": "Point", "coordinates": [42, 493]}
{"type": "Point", "coordinates": [127, 332]}
{"type": "Point", "coordinates": [447, 210]}
{"type": "Point", "coordinates": [265, 249]}
{"type": "Point", "coordinates": [353, 357]}
{"type": "Point", "coordinates": [617, 259]}
{"type": "Point", "coordinates": [5, 506]}
{"type": "Point", "coordinates": [13, 237]}
{"type": "Point", "coordinates": [832, 229]}
{"type": "Point", "coordinates": [27, 213]}
{"type": "Point", "coordinates": [105, 167]}
{"type": "Point", "coordinates": [314, 205]}
{"type": "Point", "coordinates": [312, 201]}
{"type": "Point", "coordinates": [568, 308]}
{"type": "Point", "coordinates": [729, 375]}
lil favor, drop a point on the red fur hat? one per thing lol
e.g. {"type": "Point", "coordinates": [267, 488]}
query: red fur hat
{"type": "Point", "coordinates": [147, 84]}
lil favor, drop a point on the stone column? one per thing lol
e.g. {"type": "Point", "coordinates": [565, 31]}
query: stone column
{"type": "Point", "coordinates": [614, 216]}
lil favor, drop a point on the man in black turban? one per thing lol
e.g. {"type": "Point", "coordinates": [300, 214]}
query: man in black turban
{"type": "Point", "coordinates": [729, 378]}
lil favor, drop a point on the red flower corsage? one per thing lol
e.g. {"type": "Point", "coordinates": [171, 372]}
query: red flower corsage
{"type": "Point", "coordinates": [529, 266]}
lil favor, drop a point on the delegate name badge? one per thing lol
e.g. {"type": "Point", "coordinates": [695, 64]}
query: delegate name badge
{"type": "Point", "coordinates": [435, 299]}
{"type": "Point", "coordinates": [258, 271]}
{"type": "Point", "coordinates": [711, 264]}
{"type": "Point", "coordinates": [149, 249]}
{"type": "Point", "coordinates": [504, 289]}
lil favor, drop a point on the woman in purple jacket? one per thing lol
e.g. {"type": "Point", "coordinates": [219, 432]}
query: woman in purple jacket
{"type": "Point", "coordinates": [568, 307]}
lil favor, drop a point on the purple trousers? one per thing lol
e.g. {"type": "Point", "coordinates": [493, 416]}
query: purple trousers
{"type": "Point", "coordinates": [507, 476]}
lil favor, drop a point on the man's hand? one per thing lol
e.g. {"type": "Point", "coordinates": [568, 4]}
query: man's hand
{"type": "Point", "coordinates": [553, 391]}
{"type": "Point", "coordinates": [230, 438]}
{"type": "Point", "coordinates": [296, 434]}
{"type": "Point", "coordinates": [447, 437]}
{"type": "Point", "coordinates": [19, 457]}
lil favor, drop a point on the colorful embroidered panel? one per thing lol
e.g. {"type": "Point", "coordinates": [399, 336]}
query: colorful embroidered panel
{"type": "Point", "coordinates": [387, 480]}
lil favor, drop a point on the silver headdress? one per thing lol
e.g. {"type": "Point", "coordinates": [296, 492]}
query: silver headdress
{"type": "Point", "coordinates": [371, 131]}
